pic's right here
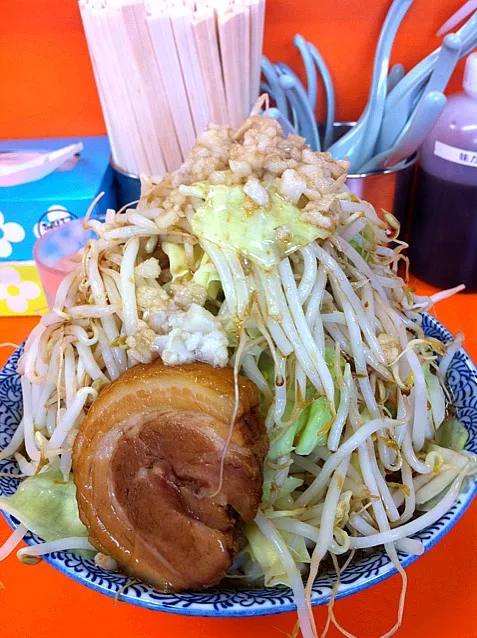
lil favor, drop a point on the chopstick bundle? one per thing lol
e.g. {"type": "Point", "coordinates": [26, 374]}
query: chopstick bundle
{"type": "Point", "coordinates": [165, 69]}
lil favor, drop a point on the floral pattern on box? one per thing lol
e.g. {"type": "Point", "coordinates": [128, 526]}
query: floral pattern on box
{"type": "Point", "coordinates": [21, 292]}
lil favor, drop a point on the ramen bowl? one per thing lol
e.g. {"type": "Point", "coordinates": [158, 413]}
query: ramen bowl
{"type": "Point", "coordinates": [223, 600]}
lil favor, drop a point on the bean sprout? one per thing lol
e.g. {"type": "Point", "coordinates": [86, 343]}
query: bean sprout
{"type": "Point", "coordinates": [327, 330]}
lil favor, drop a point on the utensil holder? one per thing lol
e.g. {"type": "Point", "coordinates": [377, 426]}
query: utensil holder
{"type": "Point", "coordinates": [126, 185]}
{"type": "Point", "coordinates": [390, 190]}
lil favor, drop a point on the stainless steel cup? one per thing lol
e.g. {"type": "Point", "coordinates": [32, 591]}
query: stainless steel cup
{"type": "Point", "coordinates": [127, 185]}
{"type": "Point", "coordinates": [389, 190]}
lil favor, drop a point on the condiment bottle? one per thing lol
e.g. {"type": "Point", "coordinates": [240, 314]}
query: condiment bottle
{"type": "Point", "coordinates": [443, 238]}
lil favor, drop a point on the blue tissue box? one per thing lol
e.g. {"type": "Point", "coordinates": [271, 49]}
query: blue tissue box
{"type": "Point", "coordinates": [29, 210]}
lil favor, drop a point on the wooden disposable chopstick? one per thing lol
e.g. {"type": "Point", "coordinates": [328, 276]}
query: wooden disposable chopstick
{"type": "Point", "coordinates": [257, 22]}
{"type": "Point", "coordinates": [243, 10]}
{"type": "Point", "coordinates": [147, 144]}
{"type": "Point", "coordinates": [209, 55]}
{"type": "Point", "coordinates": [166, 68]}
{"type": "Point", "coordinates": [229, 21]}
{"type": "Point", "coordinates": [115, 91]}
{"type": "Point", "coordinates": [116, 141]}
{"type": "Point", "coordinates": [181, 19]}
{"type": "Point", "coordinates": [166, 57]}
{"type": "Point", "coordinates": [163, 127]}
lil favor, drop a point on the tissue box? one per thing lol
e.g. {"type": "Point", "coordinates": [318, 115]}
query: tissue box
{"type": "Point", "coordinates": [30, 210]}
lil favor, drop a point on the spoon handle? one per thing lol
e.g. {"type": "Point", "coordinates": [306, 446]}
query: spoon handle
{"type": "Point", "coordinates": [417, 128]}
{"type": "Point", "coordinates": [395, 75]}
{"type": "Point", "coordinates": [377, 99]}
{"type": "Point", "coordinates": [301, 44]}
{"type": "Point", "coordinates": [425, 117]}
{"type": "Point", "coordinates": [358, 144]}
{"type": "Point", "coordinates": [299, 101]}
{"type": "Point", "coordinates": [329, 92]}
{"type": "Point", "coordinates": [448, 57]}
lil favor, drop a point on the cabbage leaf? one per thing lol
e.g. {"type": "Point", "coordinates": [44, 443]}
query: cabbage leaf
{"type": "Point", "coordinates": [317, 426]}
{"type": "Point", "coordinates": [208, 277]}
{"type": "Point", "coordinates": [177, 259]}
{"type": "Point", "coordinates": [435, 395]}
{"type": "Point", "coordinates": [263, 234]}
{"type": "Point", "coordinates": [47, 506]}
{"type": "Point", "coordinates": [264, 554]}
{"type": "Point", "coordinates": [452, 435]}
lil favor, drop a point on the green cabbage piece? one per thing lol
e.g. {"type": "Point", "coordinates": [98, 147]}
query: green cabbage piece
{"type": "Point", "coordinates": [343, 509]}
{"type": "Point", "coordinates": [268, 477]}
{"type": "Point", "coordinates": [311, 427]}
{"type": "Point", "coordinates": [267, 368]}
{"type": "Point", "coordinates": [435, 395]}
{"type": "Point", "coordinates": [450, 438]}
{"type": "Point", "coordinates": [47, 506]}
{"type": "Point", "coordinates": [392, 409]}
{"type": "Point", "coordinates": [286, 443]}
{"type": "Point", "coordinates": [330, 355]}
{"type": "Point", "coordinates": [357, 246]}
{"type": "Point", "coordinates": [264, 554]}
{"type": "Point", "coordinates": [354, 461]}
{"type": "Point", "coordinates": [452, 435]}
{"type": "Point", "coordinates": [177, 259]}
{"type": "Point", "coordinates": [223, 220]}
{"type": "Point", "coordinates": [317, 427]}
{"type": "Point", "coordinates": [290, 485]}
{"type": "Point", "coordinates": [431, 503]}
{"type": "Point", "coordinates": [363, 243]}
{"type": "Point", "coordinates": [208, 277]}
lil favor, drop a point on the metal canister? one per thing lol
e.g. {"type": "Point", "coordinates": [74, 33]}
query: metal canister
{"type": "Point", "coordinates": [127, 186]}
{"type": "Point", "coordinates": [389, 190]}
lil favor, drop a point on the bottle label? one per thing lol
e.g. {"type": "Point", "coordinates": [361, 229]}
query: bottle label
{"type": "Point", "coordinates": [457, 155]}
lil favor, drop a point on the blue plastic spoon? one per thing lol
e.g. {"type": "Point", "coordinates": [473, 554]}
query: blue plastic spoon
{"type": "Point", "coordinates": [301, 44]}
{"type": "Point", "coordinates": [395, 75]}
{"type": "Point", "coordinates": [329, 93]}
{"type": "Point", "coordinates": [421, 72]}
{"type": "Point", "coordinates": [395, 118]}
{"type": "Point", "coordinates": [358, 144]}
{"type": "Point", "coordinates": [299, 101]}
{"type": "Point", "coordinates": [416, 130]}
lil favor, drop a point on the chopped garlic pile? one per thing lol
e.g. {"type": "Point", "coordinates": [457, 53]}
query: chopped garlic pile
{"type": "Point", "coordinates": [174, 325]}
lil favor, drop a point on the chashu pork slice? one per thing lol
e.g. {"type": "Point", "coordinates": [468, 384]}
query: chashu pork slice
{"type": "Point", "coordinates": [147, 467]}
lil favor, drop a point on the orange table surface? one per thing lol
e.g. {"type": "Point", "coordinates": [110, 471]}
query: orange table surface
{"type": "Point", "coordinates": [38, 602]}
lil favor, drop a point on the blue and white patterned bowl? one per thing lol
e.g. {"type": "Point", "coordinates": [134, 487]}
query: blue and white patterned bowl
{"type": "Point", "coordinates": [223, 601]}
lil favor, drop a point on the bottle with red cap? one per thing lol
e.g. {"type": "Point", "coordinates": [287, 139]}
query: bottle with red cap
{"type": "Point", "coordinates": [443, 239]}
